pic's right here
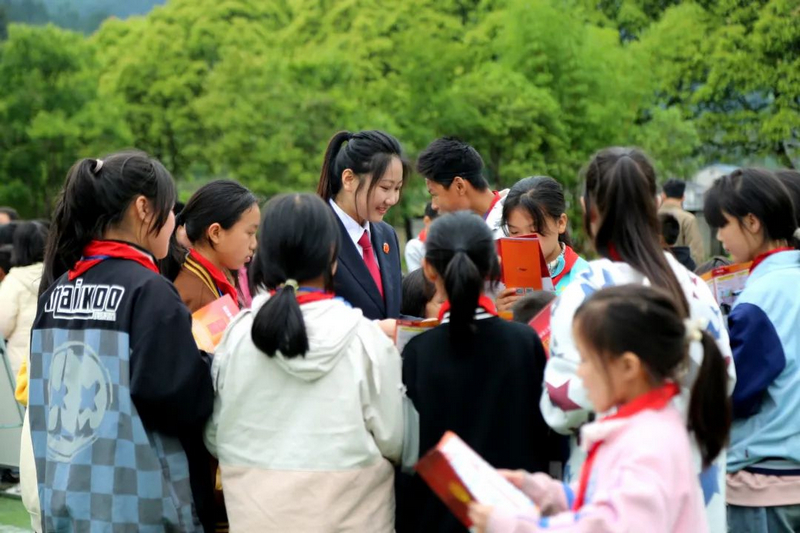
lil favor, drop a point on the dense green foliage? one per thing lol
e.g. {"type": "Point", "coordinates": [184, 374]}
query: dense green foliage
{"type": "Point", "coordinates": [253, 89]}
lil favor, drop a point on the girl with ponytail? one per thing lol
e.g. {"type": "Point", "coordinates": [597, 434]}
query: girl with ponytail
{"type": "Point", "coordinates": [309, 392]}
{"type": "Point", "coordinates": [362, 176]}
{"type": "Point", "coordinates": [756, 220]}
{"type": "Point", "coordinates": [633, 342]}
{"type": "Point", "coordinates": [620, 217]}
{"type": "Point", "coordinates": [475, 374]}
{"type": "Point", "coordinates": [116, 380]}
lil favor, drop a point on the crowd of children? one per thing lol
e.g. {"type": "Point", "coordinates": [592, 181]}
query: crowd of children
{"type": "Point", "coordinates": [649, 409]}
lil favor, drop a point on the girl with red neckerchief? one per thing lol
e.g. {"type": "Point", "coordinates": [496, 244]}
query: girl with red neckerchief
{"type": "Point", "coordinates": [639, 471]}
{"type": "Point", "coordinates": [475, 374]}
{"type": "Point", "coordinates": [220, 221]}
{"type": "Point", "coordinates": [309, 414]}
{"type": "Point", "coordinates": [756, 221]}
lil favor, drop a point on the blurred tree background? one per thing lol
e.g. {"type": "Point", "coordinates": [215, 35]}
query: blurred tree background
{"type": "Point", "coordinates": [253, 89]}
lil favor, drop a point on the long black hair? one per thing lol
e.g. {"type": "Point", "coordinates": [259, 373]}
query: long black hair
{"type": "Point", "coordinates": [299, 241]}
{"type": "Point", "coordinates": [29, 241]}
{"type": "Point", "coordinates": [647, 322]}
{"type": "Point", "coordinates": [365, 153]}
{"type": "Point", "coordinates": [541, 197]}
{"type": "Point", "coordinates": [621, 185]}
{"type": "Point", "coordinates": [220, 201]}
{"type": "Point", "coordinates": [461, 249]}
{"type": "Point", "coordinates": [791, 180]}
{"type": "Point", "coordinates": [95, 197]}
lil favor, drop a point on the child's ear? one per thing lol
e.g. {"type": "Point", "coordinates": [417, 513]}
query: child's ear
{"type": "Point", "coordinates": [752, 224]}
{"type": "Point", "coordinates": [349, 180]}
{"type": "Point", "coordinates": [460, 184]}
{"type": "Point", "coordinates": [561, 223]}
{"type": "Point", "coordinates": [631, 366]}
{"type": "Point", "coordinates": [214, 233]}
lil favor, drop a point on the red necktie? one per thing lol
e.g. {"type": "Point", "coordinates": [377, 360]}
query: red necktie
{"type": "Point", "coordinates": [369, 260]}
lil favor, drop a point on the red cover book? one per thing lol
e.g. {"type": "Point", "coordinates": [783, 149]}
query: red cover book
{"type": "Point", "coordinates": [522, 264]}
{"type": "Point", "coordinates": [541, 324]}
{"type": "Point", "coordinates": [459, 476]}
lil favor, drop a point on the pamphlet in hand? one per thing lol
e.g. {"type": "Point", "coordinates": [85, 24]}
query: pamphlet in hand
{"type": "Point", "coordinates": [209, 323]}
{"type": "Point", "coordinates": [727, 283]}
{"type": "Point", "coordinates": [460, 476]}
{"type": "Point", "coordinates": [522, 264]}
{"type": "Point", "coordinates": [408, 329]}
{"type": "Point", "coordinates": [541, 324]}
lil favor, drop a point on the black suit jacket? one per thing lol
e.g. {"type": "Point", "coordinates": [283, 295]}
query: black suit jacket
{"type": "Point", "coordinates": [353, 281]}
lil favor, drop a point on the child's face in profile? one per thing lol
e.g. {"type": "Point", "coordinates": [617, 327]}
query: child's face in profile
{"type": "Point", "coordinates": [600, 377]}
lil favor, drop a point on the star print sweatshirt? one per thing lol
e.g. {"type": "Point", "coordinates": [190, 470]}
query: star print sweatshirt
{"type": "Point", "coordinates": [118, 396]}
{"type": "Point", "coordinates": [565, 404]}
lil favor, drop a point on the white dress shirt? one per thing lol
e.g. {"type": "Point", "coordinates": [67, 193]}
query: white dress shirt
{"type": "Point", "coordinates": [354, 229]}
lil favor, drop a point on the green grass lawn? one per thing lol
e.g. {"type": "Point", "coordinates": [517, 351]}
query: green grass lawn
{"type": "Point", "coordinates": [12, 513]}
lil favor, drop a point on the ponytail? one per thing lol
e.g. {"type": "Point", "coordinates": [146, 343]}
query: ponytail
{"type": "Point", "coordinates": [72, 226]}
{"type": "Point", "coordinates": [620, 185]}
{"type": "Point", "coordinates": [329, 182]}
{"type": "Point", "coordinates": [463, 283]}
{"type": "Point", "coordinates": [279, 327]}
{"type": "Point", "coordinates": [96, 197]}
{"type": "Point", "coordinates": [366, 153]}
{"type": "Point", "coordinates": [709, 406]}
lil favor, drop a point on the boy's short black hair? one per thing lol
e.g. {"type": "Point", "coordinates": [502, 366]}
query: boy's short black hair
{"type": "Point", "coordinates": [526, 308]}
{"type": "Point", "coordinates": [7, 233]}
{"type": "Point", "coordinates": [10, 211]}
{"type": "Point", "coordinates": [447, 158]}
{"type": "Point", "coordinates": [674, 188]}
{"type": "Point", "coordinates": [430, 212]}
{"type": "Point", "coordinates": [670, 228]}
{"type": "Point", "coordinates": [417, 292]}
{"type": "Point", "coordinates": [5, 257]}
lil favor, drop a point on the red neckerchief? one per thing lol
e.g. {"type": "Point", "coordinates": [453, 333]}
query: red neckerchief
{"type": "Point", "coordinates": [656, 400]}
{"type": "Point", "coordinates": [307, 295]}
{"type": "Point", "coordinates": [759, 259]}
{"type": "Point", "coordinates": [613, 254]}
{"type": "Point", "coordinates": [223, 284]}
{"type": "Point", "coordinates": [570, 257]}
{"type": "Point", "coordinates": [483, 301]}
{"type": "Point", "coordinates": [491, 206]}
{"type": "Point", "coordinates": [422, 235]}
{"type": "Point", "coordinates": [98, 251]}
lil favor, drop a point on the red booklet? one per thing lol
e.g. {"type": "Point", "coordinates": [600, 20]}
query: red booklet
{"type": "Point", "coordinates": [460, 476]}
{"type": "Point", "coordinates": [522, 264]}
{"type": "Point", "coordinates": [209, 323]}
{"type": "Point", "coordinates": [541, 324]}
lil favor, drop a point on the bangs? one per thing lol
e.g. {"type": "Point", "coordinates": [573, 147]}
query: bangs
{"type": "Point", "coordinates": [715, 201]}
{"type": "Point", "coordinates": [538, 215]}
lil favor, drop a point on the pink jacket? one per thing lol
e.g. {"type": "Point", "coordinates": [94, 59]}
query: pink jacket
{"type": "Point", "coordinates": [643, 479]}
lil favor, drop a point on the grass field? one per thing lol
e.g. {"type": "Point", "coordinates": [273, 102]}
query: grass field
{"type": "Point", "coordinates": [13, 517]}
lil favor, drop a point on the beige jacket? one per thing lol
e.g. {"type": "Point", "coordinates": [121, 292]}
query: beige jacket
{"type": "Point", "coordinates": [307, 443]}
{"type": "Point", "coordinates": [18, 298]}
{"type": "Point", "coordinates": [690, 231]}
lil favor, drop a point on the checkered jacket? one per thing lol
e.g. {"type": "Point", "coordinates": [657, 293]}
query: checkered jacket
{"type": "Point", "coordinates": [116, 385]}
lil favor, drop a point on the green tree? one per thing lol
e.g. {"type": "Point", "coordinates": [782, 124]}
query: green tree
{"type": "Point", "coordinates": [51, 113]}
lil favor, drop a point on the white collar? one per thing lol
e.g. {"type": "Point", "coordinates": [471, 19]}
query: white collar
{"type": "Point", "coordinates": [354, 229]}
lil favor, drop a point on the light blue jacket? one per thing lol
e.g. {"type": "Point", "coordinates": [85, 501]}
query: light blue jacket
{"type": "Point", "coordinates": [765, 339]}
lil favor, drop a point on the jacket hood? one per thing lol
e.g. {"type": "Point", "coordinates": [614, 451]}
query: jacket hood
{"type": "Point", "coordinates": [28, 276]}
{"type": "Point", "coordinates": [330, 326]}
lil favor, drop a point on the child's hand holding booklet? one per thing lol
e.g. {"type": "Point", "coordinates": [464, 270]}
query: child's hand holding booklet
{"type": "Point", "coordinates": [460, 477]}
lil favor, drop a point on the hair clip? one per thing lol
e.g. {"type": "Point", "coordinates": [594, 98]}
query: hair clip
{"type": "Point", "coordinates": [695, 329]}
{"type": "Point", "coordinates": [98, 164]}
{"type": "Point", "coordinates": [292, 283]}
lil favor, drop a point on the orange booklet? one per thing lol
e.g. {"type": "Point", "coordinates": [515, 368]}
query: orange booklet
{"type": "Point", "coordinates": [522, 264]}
{"type": "Point", "coordinates": [727, 283]}
{"type": "Point", "coordinates": [460, 476]}
{"type": "Point", "coordinates": [408, 329]}
{"type": "Point", "coordinates": [541, 324]}
{"type": "Point", "coordinates": [209, 323]}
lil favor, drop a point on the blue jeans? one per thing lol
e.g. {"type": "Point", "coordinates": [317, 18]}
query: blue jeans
{"type": "Point", "coordinates": [778, 519]}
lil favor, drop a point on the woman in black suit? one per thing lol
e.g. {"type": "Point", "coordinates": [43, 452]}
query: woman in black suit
{"type": "Point", "coordinates": [361, 179]}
